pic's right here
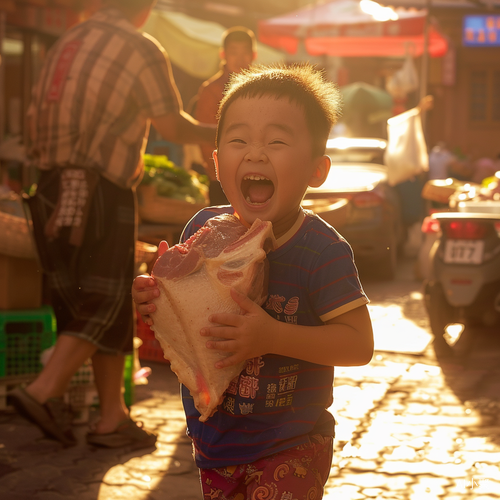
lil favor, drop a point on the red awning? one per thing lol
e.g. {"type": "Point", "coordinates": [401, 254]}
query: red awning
{"type": "Point", "coordinates": [341, 28]}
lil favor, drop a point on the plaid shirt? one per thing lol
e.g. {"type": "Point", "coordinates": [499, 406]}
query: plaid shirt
{"type": "Point", "coordinates": [100, 85]}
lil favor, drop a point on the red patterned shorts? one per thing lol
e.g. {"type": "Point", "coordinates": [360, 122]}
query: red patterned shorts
{"type": "Point", "coordinates": [296, 474]}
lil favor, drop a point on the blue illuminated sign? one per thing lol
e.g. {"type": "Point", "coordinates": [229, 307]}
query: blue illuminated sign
{"type": "Point", "coordinates": [481, 31]}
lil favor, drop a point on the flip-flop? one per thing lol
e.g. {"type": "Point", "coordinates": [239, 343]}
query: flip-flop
{"type": "Point", "coordinates": [128, 433]}
{"type": "Point", "coordinates": [51, 417]}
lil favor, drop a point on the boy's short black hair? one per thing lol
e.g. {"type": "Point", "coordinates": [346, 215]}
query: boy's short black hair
{"type": "Point", "coordinates": [239, 34]}
{"type": "Point", "coordinates": [301, 84]}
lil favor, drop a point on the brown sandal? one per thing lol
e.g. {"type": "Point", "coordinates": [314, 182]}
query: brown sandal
{"type": "Point", "coordinates": [128, 433]}
{"type": "Point", "coordinates": [53, 417]}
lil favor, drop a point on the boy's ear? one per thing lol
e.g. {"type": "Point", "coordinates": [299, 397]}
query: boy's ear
{"type": "Point", "coordinates": [216, 161]}
{"type": "Point", "coordinates": [320, 172]}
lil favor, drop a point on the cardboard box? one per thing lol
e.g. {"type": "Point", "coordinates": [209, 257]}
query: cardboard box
{"type": "Point", "coordinates": [20, 283]}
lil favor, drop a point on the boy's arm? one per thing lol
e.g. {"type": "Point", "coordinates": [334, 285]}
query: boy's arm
{"type": "Point", "coordinates": [346, 340]}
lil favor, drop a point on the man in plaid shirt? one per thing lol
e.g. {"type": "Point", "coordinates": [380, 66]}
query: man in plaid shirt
{"type": "Point", "coordinates": [101, 86]}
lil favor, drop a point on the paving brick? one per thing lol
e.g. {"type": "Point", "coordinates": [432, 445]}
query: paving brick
{"type": "Point", "coordinates": [65, 486]}
{"type": "Point", "coordinates": [421, 409]}
{"type": "Point", "coordinates": [431, 487]}
{"type": "Point", "coordinates": [478, 444]}
{"type": "Point", "coordinates": [123, 492]}
{"type": "Point", "coordinates": [373, 492]}
{"type": "Point", "coordinates": [450, 470]}
{"type": "Point", "coordinates": [52, 495]}
{"type": "Point", "coordinates": [364, 480]}
{"type": "Point", "coordinates": [358, 464]}
{"type": "Point", "coordinates": [342, 492]}
{"type": "Point", "coordinates": [476, 486]}
{"type": "Point", "coordinates": [480, 456]}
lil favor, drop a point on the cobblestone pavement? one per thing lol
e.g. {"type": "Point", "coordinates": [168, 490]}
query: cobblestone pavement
{"type": "Point", "coordinates": [410, 426]}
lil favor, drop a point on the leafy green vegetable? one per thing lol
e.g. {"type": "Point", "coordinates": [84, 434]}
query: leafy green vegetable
{"type": "Point", "coordinates": [172, 181]}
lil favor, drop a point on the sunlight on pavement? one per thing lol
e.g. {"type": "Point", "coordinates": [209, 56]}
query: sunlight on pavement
{"type": "Point", "coordinates": [143, 473]}
{"type": "Point", "coordinates": [402, 433]}
{"type": "Point", "coordinates": [420, 370]}
{"type": "Point", "coordinates": [395, 333]}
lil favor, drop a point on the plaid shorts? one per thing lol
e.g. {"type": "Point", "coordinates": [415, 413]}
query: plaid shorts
{"type": "Point", "coordinates": [296, 474]}
{"type": "Point", "coordinates": [89, 286]}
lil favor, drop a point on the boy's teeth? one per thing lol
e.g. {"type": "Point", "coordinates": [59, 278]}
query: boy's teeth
{"type": "Point", "coordinates": [255, 178]}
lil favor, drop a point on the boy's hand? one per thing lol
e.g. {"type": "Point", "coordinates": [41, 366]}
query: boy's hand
{"type": "Point", "coordinates": [246, 335]}
{"type": "Point", "coordinates": [145, 289]}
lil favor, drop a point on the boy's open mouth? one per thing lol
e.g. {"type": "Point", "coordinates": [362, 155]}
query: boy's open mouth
{"type": "Point", "coordinates": [257, 189]}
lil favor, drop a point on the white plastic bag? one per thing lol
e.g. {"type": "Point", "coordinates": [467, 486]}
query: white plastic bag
{"type": "Point", "coordinates": [406, 153]}
{"type": "Point", "coordinates": [403, 81]}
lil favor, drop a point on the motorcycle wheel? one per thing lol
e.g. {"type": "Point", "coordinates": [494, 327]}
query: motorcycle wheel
{"type": "Point", "coordinates": [441, 313]}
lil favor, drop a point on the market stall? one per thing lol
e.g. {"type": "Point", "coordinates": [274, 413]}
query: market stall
{"type": "Point", "coordinates": [352, 28]}
{"type": "Point", "coordinates": [193, 44]}
{"type": "Point", "coordinates": [168, 196]}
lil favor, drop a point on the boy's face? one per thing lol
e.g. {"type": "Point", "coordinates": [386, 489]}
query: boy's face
{"type": "Point", "coordinates": [264, 160]}
{"type": "Point", "coordinates": [238, 56]}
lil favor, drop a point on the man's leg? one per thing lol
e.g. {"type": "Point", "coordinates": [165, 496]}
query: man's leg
{"type": "Point", "coordinates": [108, 372]}
{"type": "Point", "coordinates": [115, 428]}
{"type": "Point", "coordinates": [42, 402]}
{"type": "Point", "coordinates": [68, 355]}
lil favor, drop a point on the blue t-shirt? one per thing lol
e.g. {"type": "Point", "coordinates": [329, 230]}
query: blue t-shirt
{"type": "Point", "coordinates": [277, 402]}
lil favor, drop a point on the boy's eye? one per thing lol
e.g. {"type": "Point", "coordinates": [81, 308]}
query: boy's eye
{"type": "Point", "coordinates": [277, 141]}
{"type": "Point", "coordinates": [237, 140]}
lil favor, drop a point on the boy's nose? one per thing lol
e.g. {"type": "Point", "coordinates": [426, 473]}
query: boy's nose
{"type": "Point", "coordinates": [256, 155]}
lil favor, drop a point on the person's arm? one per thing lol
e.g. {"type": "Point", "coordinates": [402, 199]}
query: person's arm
{"type": "Point", "coordinates": [346, 340]}
{"type": "Point", "coordinates": [425, 103]}
{"type": "Point", "coordinates": [182, 128]}
{"type": "Point", "coordinates": [158, 97]}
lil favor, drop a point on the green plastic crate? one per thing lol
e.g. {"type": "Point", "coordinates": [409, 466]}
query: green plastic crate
{"type": "Point", "coordinates": [24, 334]}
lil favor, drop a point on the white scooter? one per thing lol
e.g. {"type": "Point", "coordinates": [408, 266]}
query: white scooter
{"type": "Point", "coordinates": [463, 286]}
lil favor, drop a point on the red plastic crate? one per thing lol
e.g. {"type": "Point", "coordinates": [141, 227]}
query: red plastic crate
{"type": "Point", "coordinates": [150, 349]}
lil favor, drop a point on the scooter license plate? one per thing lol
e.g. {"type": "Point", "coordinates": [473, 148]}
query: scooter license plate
{"type": "Point", "coordinates": [464, 252]}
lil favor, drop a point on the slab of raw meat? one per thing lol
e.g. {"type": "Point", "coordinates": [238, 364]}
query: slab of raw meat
{"type": "Point", "coordinates": [195, 279]}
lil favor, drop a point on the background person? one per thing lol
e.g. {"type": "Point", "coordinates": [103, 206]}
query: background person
{"type": "Point", "coordinates": [483, 168]}
{"type": "Point", "coordinates": [101, 85]}
{"type": "Point", "coordinates": [440, 159]}
{"type": "Point", "coordinates": [237, 54]}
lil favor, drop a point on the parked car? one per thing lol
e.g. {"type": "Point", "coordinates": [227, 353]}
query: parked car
{"type": "Point", "coordinates": [372, 221]}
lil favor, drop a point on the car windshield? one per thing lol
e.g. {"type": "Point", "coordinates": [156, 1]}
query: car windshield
{"type": "Point", "coordinates": [352, 177]}
{"type": "Point", "coordinates": [356, 150]}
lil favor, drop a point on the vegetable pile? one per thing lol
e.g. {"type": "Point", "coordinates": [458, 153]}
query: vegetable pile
{"type": "Point", "coordinates": [172, 181]}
